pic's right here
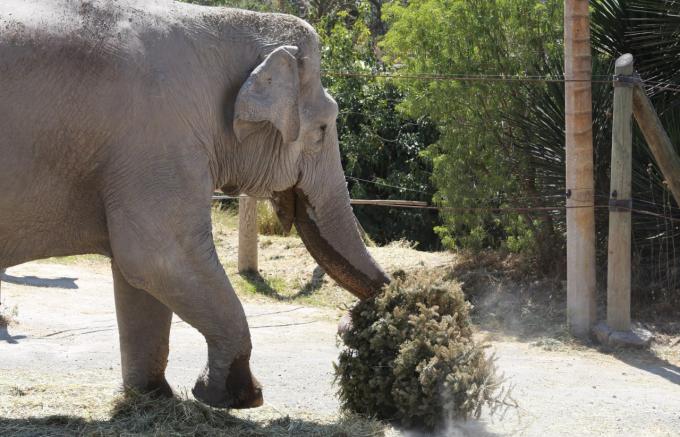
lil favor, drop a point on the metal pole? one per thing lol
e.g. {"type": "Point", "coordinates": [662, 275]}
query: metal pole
{"type": "Point", "coordinates": [619, 251]}
{"type": "Point", "coordinates": [579, 162]}
{"type": "Point", "coordinates": [247, 235]}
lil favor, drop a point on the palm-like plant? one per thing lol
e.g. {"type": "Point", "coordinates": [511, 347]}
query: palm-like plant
{"type": "Point", "coordinates": [650, 30]}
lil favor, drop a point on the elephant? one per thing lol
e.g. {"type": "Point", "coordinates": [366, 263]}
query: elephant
{"type": "Point", "coordinates": [119, 119]}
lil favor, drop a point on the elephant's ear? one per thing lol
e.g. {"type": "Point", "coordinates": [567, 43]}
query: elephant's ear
{"type": "Point", "coordinates": [270, 94]}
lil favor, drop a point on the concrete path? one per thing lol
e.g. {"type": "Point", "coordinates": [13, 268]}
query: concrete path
{"type": "Point", "coordinates": [67, 332]}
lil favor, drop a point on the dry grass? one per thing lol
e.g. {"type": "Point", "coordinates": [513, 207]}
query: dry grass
{"type": "Point", "coordinates": [510, 301]}
{"type": "Point", "coordinates": [288, 273]}
{"type": "Point", "coordinates": [7, 316]}
{"type": "Point", "coordinates": [141, 415]}
{"type": "Point", "coordinates": [267, 221]}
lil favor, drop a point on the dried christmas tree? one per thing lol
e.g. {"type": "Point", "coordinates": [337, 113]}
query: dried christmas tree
{"type": "Point", "coordinates": [410, 357]}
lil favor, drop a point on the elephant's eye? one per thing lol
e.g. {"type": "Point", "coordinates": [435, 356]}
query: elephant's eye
{"type": "Point", "coordinates": [323, 131]}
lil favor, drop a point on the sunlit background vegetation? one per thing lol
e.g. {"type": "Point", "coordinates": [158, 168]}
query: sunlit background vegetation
{"type": "Point", "coordinates": [472, 144]}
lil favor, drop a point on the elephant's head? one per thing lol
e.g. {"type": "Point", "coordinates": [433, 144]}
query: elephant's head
{"type": "Point", "coordinates": [285, 122]}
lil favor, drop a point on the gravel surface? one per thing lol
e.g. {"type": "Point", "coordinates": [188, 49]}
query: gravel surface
{"type": "Point", "coordinates": [66, 337]}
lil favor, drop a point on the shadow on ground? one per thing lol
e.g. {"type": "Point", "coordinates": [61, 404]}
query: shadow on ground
{"type": "Point", "coordinates": [34, 281]}
{"type": "Point", "coordinates": [69, 425]}
{"type": "Point", "coordinates": [145, 415]}
{"type": "Point", "coordinates": [264, 287]}
{"type": "Point", "coordinates": [648, 361]}
{"type": "Point", "coordinates": [236, 427]}
{"type": "Point", "coordinates": [9, 338]}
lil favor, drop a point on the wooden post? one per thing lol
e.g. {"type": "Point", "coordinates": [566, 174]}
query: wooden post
{"type": "Point", "coordinates": [247, 235]}
{"type": "Point", "coordinates": [579, 156]}
{"type": "Point", "coordinates": [660, 144]}
{"type": "Point", "coordinates": [618, 273]}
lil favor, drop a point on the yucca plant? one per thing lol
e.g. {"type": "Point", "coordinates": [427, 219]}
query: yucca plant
{"type": "Point", "coordinates": [538, 132]}
{"type": "Point", "coordinates": [650, 30]}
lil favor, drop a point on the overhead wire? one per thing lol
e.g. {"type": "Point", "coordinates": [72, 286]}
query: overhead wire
{"type": "Point", "coordinates": [465, 77]}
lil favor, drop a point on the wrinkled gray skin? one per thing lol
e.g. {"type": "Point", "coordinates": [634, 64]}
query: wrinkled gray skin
{"type": "Point", "coordinates": [118, 119]}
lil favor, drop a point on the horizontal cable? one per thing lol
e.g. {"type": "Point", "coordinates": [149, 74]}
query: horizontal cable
{"type": "Point", "coordinates": [599, 79]}
{"type": "Point", "coordinates": [466, 77]}
{"type": "Point", "coordinates": [388, 185]}
{"type": "Point", "coordinates": [410, 204]}
{"type": "Point", "coordinates": [522, 209]}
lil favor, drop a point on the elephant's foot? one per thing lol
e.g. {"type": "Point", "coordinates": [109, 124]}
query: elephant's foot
{"type": "Point", "coordinates": [240, 390]}
{"type": "Point", "coordinates": [157, 389]}
{"type": "Point", "coordinates": [161, 389]}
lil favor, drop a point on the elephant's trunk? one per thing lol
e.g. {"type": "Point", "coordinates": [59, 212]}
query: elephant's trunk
{"type": "Point", "coordinates": [319, 206]}
{"type": "Point", "coordinates": [330, 234]}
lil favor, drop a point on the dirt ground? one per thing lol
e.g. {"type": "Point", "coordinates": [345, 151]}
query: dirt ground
{"type": "Point", "coordinates": [61, 357]}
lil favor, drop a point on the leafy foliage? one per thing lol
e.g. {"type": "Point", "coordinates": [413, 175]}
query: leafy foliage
{"type": "Point", "coordinates": [410, 356]}
{"type": "Point", "coordinates": [476, 160]}
{"type": "Point", "coordinates": [490, 144]}
{"type": "Point", "coordinates": [381, 148]}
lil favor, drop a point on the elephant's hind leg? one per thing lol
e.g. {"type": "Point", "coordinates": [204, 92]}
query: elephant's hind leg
{"type": "Point", "coordinates": [144, 330]}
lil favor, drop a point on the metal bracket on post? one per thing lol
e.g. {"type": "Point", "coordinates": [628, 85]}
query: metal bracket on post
{"type": "Point", "coordinates": [626, 81]}
{"type": "Point", "coordinates": [620, 205]}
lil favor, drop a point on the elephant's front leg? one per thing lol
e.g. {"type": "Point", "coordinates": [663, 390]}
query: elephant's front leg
{"type": "Point", "coordinates": [144, 330]}
{"type": "Point", "coordinates": [181, 270]}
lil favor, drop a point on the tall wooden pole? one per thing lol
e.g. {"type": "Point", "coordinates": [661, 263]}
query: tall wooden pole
{"type": "Point", "coordinates": [579, 156]}
{"type": "Point", "coordinates": [618, 273]}
{"type": "Point", "coordinates": [247, 235]}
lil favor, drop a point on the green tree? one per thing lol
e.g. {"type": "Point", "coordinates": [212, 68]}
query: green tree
{"type": "Point", "coordinates": [476, 160]}
{"type": "Point", "coordinates": [382, 149]}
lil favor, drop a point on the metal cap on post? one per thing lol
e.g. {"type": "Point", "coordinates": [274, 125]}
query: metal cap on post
{"type": "Point", "coordinates": [247, 235]}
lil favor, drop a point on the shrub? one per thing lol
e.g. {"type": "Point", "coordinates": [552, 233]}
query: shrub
{"type": "Point", "coordinates": [267, 221]}
{"type": "Point", "coordinates": [410, 357]}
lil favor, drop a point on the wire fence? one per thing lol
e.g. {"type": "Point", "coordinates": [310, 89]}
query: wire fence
{"type": "Point", "coordinates": [409, 204]}
{"type": "Point", "coordinates": [507, 78]}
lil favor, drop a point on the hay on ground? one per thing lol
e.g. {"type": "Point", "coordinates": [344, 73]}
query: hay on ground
{"type": "Point", "coordinates": [143, 415]}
